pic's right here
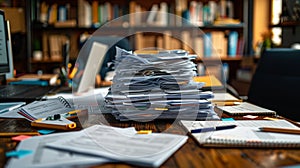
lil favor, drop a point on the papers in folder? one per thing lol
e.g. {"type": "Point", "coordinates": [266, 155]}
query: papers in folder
{"type": "Point", "coordinates": [157, 86]}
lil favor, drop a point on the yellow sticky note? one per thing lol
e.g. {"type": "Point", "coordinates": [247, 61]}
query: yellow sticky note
{"type": "Point", "coordinates": [144, 132]}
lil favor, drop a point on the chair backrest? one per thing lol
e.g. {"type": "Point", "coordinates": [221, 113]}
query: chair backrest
{"type": "Point", "coordinates": [276, 82]}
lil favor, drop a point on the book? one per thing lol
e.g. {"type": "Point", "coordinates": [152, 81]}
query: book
{"type": "Point", "coordinates": [66, 23]}
{"type": "Point", "coordinates": [244, 108]}
{"type": "Point", "coordinates": [50, 78]}
{"type": "Point", "coordinates": [246, 133]}
{"type": "Point", "coordinates": [52, 16]}
{"type": "Point", "coordinates": [219, 44]}
{"type": "Point", "coordinates": [62, 13]}
{"type": "Point", "coordinates": [95, 16]}
{"type": "Point", "coordinates": [152, 14]}
{"type": "Point", "coordinates": [232, 43]}
{"type": "Point", "coordinates": [207, 39]}
{"type": "Point", "coordinates": [30, 82]}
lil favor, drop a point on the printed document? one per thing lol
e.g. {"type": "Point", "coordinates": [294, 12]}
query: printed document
{"type": "Point", "coordinates": [122, 145]}
{"type": "Point", "coordinates": [47, 157]}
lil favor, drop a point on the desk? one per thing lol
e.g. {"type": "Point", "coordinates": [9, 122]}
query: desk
{"type": "Point", "coordinates": [189, 155]}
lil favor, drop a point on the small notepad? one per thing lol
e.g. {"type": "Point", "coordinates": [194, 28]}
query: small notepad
{"type": "Point", "coordinates": [245, 108]}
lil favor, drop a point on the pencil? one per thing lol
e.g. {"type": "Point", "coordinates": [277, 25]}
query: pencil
{"type": "Point", "coordinates": [7, 134]}
{"type": "Point", "coordinates": [281, 130]}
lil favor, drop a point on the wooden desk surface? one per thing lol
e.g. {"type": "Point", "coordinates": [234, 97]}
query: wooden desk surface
{"type": "Point", "coordinates": [189, 155]}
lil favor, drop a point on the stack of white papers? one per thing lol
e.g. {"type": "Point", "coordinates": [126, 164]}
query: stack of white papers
{"type": "Point", "coordinates": [157, 86]}
{"type": "Point", "coordinates": [98, 144]}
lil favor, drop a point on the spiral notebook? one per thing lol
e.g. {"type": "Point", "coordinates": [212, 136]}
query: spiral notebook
{"type": "Point", "coordinates": [43, 109]}
{"type": "Point", "coordinates": [246, 134]}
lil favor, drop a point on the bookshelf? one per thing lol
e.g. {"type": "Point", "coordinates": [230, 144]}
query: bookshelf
{"type": "Point", "coordinates": [40, 30]}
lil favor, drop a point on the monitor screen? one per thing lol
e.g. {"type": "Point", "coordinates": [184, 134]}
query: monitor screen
{"type": "Point", "coordinates": [4, 56]}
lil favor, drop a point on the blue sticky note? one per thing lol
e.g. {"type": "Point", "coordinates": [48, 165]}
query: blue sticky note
{"type": "Point", "coordinates": [18, 153]}
{"type": "Point", "coordinates": [46, 131]}
{"type": "Point", "coordinates": [228, 119]}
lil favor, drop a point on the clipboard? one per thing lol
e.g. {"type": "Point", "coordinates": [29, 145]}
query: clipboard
{"type": "Point", "coordinates": [58, 124]}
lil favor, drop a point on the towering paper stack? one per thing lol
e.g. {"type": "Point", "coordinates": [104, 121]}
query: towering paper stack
{"type": "Point", "coordinates": [157, 86]}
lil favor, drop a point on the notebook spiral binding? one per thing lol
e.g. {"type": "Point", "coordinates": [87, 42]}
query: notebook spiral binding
{"type": "Point", "coordinates": [65, 102]}
{"type": "Point", "coordinates": [250, 143]}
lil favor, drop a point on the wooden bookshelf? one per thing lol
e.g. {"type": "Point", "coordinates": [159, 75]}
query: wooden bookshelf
{"type": "Point", "coordinates": [37, 26]}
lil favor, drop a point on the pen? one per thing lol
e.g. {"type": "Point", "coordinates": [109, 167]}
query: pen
{"type": "Point", "coordinates": [281, 130]}
{"type": "Point", "coordinates": [217, 128]}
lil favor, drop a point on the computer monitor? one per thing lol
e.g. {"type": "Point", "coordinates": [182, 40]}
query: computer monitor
{"type": "Point", "coordinates": [4, 52]}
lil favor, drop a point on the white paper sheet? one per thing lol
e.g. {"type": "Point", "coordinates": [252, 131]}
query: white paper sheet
{"type": "Point", "coordinates": [47, 157]}
{"type": "Point", "coordinates": [116, 143]}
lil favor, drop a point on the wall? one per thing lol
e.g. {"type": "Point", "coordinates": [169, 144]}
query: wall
{"type": "Point", "coordinates": [260, 19]}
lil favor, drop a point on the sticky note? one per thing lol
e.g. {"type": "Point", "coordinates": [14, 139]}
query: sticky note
{"type": "Point", "coordinates": [228, 119]}
{"type": "Point", "coordinates": [20, 137]}
{"type": "Point", "coordinates": [18, 153]}
{"type": "Point", "coordinates": [144, 132]}
{"type": "Point", "coordinates": [46, 131]}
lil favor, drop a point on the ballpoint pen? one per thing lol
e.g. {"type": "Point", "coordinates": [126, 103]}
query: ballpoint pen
{"type": "Point", "coordinates": [216, 128]}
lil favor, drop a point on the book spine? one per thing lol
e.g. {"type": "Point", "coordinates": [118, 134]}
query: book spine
{"type": "Point", "coordinates": [207, 45]}
{"type": "Point", "coordinates": [62, 13]}
{"type": "Point", "coordinates": [232, 43]}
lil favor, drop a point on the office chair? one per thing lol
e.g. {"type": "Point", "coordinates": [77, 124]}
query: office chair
{"type": "Point", "coordinates": [276, 82]}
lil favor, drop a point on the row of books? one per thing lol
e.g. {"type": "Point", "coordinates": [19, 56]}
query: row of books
{"type": "Point", "coordinates": [55, 46]}
{"type": "Point", "coordinates": [217, 43]}
{"type": "Point", "coordinates": [57, 15]}
{"type": "Point", "coordinates": [95, 13]}
{"type": "Point", "coordinates": [210, 44]}
{"type": "Point", "coordinates": [201, 14]}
